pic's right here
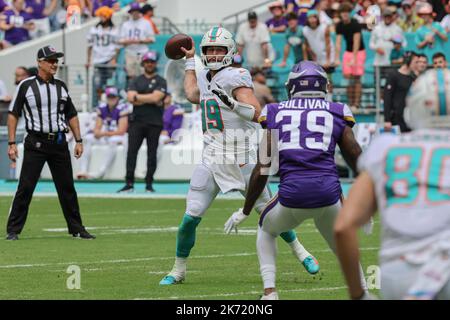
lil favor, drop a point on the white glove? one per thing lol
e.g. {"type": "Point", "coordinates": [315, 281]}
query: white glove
{"type": "Point", "coordinates": [236, 219]}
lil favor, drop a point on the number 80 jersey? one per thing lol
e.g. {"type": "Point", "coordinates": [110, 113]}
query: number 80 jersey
{"type": "Point", "coordinates": [222, 127]}
{"type": "Point", "coordinates": [411, 175]}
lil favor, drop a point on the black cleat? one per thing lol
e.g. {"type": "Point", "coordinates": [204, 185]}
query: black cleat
{"type": "Point", "coordinates": [12, 236]}
{"type": "Point", "coordinates": [83, 235]}
{"type": "Point", "coordinates": [149, 189]}
{"type": "Point", "coordinates": [127, 188]}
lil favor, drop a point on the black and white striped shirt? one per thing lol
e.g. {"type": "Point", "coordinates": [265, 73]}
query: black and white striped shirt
{"type": "Point", "coordinates": [47, 106]}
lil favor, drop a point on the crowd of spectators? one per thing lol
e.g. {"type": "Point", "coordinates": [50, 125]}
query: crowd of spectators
{"type": "Point", "coordinates": [308, 27]}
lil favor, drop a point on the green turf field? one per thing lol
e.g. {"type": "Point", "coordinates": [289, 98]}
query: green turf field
{"type": "Point", "coordinates": [135, 248]}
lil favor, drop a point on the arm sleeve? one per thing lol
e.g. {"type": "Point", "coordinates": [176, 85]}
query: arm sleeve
{"type": "Point", "coordinates": [349, 119]}
{"type": "Point", "coordinates": [69, 109]}
{"type": "Point", "coordinates": [16, 105]}
{"type": "Point", "coordinates": [262, 119]}
{"type": "Point", "coordinates": [389, 90]}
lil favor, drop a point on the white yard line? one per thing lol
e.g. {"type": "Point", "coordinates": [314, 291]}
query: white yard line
{"type": "Point", "coordinates": [243, 293]}
{"type": "Point", "coordinates": [124, 196]}
{"type": "Point", "coordinates": [213, 256]}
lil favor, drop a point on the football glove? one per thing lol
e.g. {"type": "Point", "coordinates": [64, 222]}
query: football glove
{"type": "Point", "coordinates": [236, 219]}
{"type": "Point", "coordinates": [226, 99]}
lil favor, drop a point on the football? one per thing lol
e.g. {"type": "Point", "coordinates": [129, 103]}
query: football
{"type": "Point", "coordinates": [174, 45]}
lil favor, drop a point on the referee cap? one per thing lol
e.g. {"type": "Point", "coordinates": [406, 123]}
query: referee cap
{"type": "Point", "coordinates": [48, 52]}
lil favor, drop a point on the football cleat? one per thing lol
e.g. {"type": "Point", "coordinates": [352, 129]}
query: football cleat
{"type": "Point", "coordinates": [169, 279]}
{"type": "Point", "coordinates": [270, 296]}
{"type": "Point", "coordinates": [311, 265]}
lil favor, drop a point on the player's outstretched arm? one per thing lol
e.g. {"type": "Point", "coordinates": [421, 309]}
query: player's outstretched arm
{"type": "Point", "coordinates": [258, 179]}
{"type": "Point", "coordinates": [190, 79]}
{"type": "Point", "coordinates": [350, 148]}
{"type": "Point", "coordinates": [357, 210]}
{"type": "Point", "coordinates": [245, 105]}
{"type": "Point", "coordinates": [257, 183]}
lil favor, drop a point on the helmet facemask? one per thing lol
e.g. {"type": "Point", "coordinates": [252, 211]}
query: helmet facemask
{"type": "Point", "coordinates": [218, 37]}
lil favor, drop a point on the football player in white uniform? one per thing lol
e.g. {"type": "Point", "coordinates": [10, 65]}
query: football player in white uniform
{"type": "Point", "coordinates": [229, 108]}
{"type": "Point", "coordinates": [407, 179]}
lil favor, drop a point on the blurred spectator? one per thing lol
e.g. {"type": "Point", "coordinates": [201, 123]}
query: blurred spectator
{"type": "Point", "coordinates": [255, 38]}
{"type": "Point", "coordinates": [278, 23]}
{"type": "Point", "coordinates": [374, 13]}
{"type": "Point", "coordinates": [322, 8]}
{"type": "Point", "coordinates": [110, 128]}
{"type": "Point", "coordinates": [39, 11]}
{"type": "Point", "coordinates": [4, 5]}
{"type": "Point", "coordinates": [147, 12]}
{"type": "Point", "coordinates": [94, 5]}
{"type": "Point", "coordinates": [4, 96]}
{"type": "Point", "coordinates": [237, 61]}
{"type": "Point", "coordinates": [172, 120]}
{"type": "Point", "coordinates": [445, 23]}
{"type": "Point", "coordinates": [294, 40]}
{"type": "Point", "coordinates": [382, 36]}
{"type": "Point", "coordinates": [136, 34]}
{"type": "Point", "coordinates": [410, 21]}
{"type": "Point", "coordinates": [16, 23]}
{"type": "Point", "coordinates": [21, 73]}
{"type": "Point", "coordinates": [439, 60]}
{"type": "Point", "coordinates": [102, 50]}
{"type": "Point", "coordinates": [430, 37]}
{"type": "Point", "coordinates": [395, 91]}
{"type": "Point", "coordinates": [300, 8]}
{"type": "Point", "coordinates": [438, 8]}
{"type": "Point", "coordinates": [397, 52]}
{"type": "Point", "coordinates": [146, 92]}
{"type": "Point", "coordinates": [362, 13]}
{"type": "Point", "coordinates": [262, 91]}
{"type": "Point", "coordinates": [318, 41]}
{"type": "Point", "coordinates": [354, 56]}
{"type": "Point", "coordinates": [422, 64]}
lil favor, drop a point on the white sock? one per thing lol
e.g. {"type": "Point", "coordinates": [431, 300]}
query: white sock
{"type": "Point", "coordinates": [266, 247]}
{"type": "Point", "coordinates": [298, 250]}
{"type": "Point", "coordinates": [179, 268]}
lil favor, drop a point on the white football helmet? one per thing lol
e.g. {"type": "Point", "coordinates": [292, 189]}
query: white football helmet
{"type": "Point", "coordinates": [218, 37]}
{"type": "Point", "coordinates": [428, 101]}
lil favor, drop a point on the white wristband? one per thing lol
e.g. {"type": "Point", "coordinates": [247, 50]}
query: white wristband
{"type": "Point", "coordinates": [189, 64]}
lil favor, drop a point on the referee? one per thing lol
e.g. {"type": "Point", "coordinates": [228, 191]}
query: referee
{"type": "Point", "coordinates": [48, 110]}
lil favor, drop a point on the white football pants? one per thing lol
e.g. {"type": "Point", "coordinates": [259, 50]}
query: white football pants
{"type": "Point", "coordinates": [204, 189]}
{"type": "Point", "coordinates": [276, 219]}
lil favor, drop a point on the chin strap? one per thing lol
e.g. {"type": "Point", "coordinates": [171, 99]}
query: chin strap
{"type": "Point", "coordinates": [244, 110]}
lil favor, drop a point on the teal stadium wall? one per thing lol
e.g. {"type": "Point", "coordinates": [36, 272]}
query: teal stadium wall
{"type": "Point", "coordinates": [278, 42]}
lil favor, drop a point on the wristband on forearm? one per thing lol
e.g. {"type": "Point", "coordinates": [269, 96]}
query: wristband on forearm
{"type": "Point", "coordinates": [189, 64]}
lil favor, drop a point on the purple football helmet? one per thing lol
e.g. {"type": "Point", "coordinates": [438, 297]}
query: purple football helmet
{"type": "Point", "coordinates": [307, 80]}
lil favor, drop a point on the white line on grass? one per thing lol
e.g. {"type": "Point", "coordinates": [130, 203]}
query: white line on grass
{"type": "Point", "coordinates": [243, 293]}
{"type": "Point", "coordinates": [212, 256]}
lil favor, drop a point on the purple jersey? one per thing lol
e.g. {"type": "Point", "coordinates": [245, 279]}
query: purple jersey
{"type": "Point", "coordinates": [308, 131]}
{"type": "Point", "coordinates": [301, 8]}
{"type": "Point", "coordinates": [3, 5]}
{"type": "Point", "coordinates": [18, 33]}
{"type": "Point", "coordinates": [275, 23]}
{"type": "Point", "coordinates": [110, 117]}
{"type": "Point", "coordinates": [102, 3]}
{"type": "Point", "coordinates": [38, 7]}
{"type": "Point", "coordinates": [173, 118]}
